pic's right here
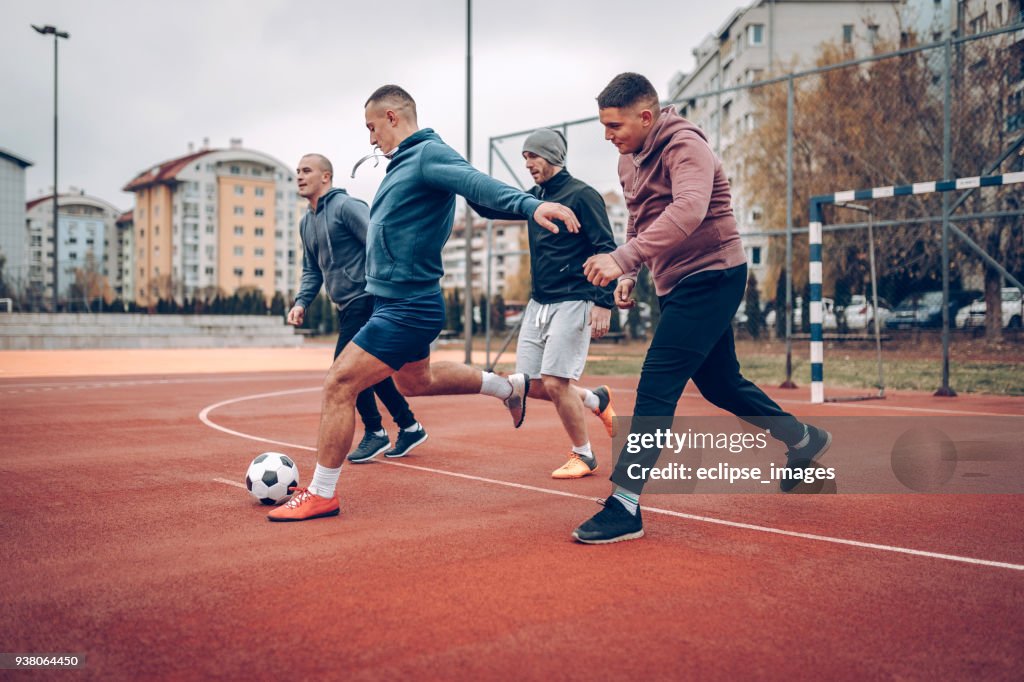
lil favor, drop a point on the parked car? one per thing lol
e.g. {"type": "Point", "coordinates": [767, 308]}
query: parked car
{"type": "Point", "coordinates": [924, 310]}
{"type": "Point", "coordinates": [861, 314]}
{"type": "Point", "coordinates": [828, 315]}
{"type": "Point", "coordinates": [973, 315]}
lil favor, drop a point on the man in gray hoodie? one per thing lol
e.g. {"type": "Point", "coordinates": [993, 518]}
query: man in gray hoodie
{"type": "Point", "coordinates": [681, 226]}
{"type": "Point", "coordinates": [333, 233]}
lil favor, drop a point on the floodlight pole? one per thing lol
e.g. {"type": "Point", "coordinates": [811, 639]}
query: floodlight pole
{"type": "Point", "coordinates": [468, 303]}
{"type": "Point", "coordinates": [48, 30]}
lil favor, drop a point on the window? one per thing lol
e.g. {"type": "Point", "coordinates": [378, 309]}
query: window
{"type": "Point", "coordinates": [209, 270]}
{"type": "Point", "coordinates": [259, 212]}
{"type": "Point", "coordinates": [872, 33]}
{"type": "Point", "coordinates": [239, 210]}
{"type": "Point", "coordinates": [755, 255]}
{"type": "Point", "coordinates": [847, 34]}
{"type": "Point", "coordinates": [278, 234]}
{"type": "Point", "coordinates": [209, 229]}
{"type": "Point", "coordinates": [258, 272]}
{"type": "Point", "coordinates": [239, 190]}
{"type": "Point", "coordinates": [239, 272]}
{"type": "Point", "coordinates": [239, 250]}
{"type": "Point", "coordinates": [235, 170]}
{"type": "Point", "coordinates": [755, 34]}
{"type": "Point", "coordinates": [980, 23]}
{"type": "Point", "coordinates": [258, 252]}
{"type": "Point", "coordinates": [259, 191]}
{"type": "Point", "coordinates": [239, 230]}
{"type": "Point", "coordinates": [756, 214]}
{"type": "Point", "coordinates": [259, 231]}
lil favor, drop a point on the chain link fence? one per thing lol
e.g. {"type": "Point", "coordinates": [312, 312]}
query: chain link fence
{"type": "Point", "coordinates": [945, 110]}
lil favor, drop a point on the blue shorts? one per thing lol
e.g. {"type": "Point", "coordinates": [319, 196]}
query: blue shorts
{"type": "Point", "coordinates": [400, 330]}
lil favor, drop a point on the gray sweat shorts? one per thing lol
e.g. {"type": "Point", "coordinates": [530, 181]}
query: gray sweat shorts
{"type": "Point", "coordinates": [554, 339]}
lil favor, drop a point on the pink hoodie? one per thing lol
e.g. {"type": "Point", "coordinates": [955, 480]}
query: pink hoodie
{"type": "Point", "coordinates": [680, 207]}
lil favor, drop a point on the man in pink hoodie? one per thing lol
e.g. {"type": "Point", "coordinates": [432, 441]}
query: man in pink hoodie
{"type": "Point", "coordinates": [681, 226]}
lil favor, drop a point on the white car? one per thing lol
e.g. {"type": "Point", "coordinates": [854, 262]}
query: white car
{"type": "Point", "coordinates": [828, 315]}
{"type": "Point", "coordinates": [861, 314]}
{"type": "Point", "coordinates": [973, 315]}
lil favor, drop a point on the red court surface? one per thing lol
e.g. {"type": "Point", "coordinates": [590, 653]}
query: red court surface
{"type": "Point", "coordinates": [128, 540]}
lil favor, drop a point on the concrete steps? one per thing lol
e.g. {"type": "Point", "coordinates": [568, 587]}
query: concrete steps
{"type": "Point", "coordinates": [48, 331]}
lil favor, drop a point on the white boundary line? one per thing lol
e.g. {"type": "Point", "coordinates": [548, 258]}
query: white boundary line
{"type": "Point", "coordinates": [204, 417]}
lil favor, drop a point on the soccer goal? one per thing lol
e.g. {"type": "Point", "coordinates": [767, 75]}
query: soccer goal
{"type": "Point", "coordinates": [865, 196]}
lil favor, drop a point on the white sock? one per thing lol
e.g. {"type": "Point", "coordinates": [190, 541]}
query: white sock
{"type": "Point", "coordinates": [382, 432]}
{"type": "Point", "coordinates": [324, 481]}
{"type": "Point", "coordinates": [805, 440]}
{"type": "Point", "coordinates": [414, 428]}
{"type": "Point", "coordinates": [495, 385]}
{"type": "Point", "coordinates": [631, 501]}
{"type": "Point", "coordinates": [584, 450]}
{"type": "Point", "coordinates": [590, 400]}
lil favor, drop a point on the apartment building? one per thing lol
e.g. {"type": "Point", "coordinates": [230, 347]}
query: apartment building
{"type": "Point", "coordinates": [508, 245]}
{"type": "Point", "coordinates": [87, 242]}
{"type": "Point", "coordinates": [13, 244]}
{"type": "Point", "coordinates": [766, 38]}
{"type": "Point", "coordinates": [215, 219]}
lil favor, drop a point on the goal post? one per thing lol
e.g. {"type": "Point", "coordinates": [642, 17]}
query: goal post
{"type": "Point", "coordinates": [815, 228]}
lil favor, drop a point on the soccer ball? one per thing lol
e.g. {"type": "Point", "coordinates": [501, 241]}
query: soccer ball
{"type": "Point", "coordinates": [269, 477]}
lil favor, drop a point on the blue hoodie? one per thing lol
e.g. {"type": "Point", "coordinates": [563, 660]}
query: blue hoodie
{"type": "Point", "coordinates": [411, 217]}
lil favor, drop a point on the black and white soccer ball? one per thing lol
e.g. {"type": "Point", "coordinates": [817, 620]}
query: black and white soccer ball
{"type": "Point", "coordinates": [269, 477]}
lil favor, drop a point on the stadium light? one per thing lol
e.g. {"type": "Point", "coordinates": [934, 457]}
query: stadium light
{"type": "Point", "coordinates": [52, 30]}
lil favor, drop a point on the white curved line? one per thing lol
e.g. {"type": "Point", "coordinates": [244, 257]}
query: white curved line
{"type": "Point", "coordinates": [204, 417]}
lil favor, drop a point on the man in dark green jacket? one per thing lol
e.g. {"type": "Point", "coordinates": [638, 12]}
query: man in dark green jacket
{"type": "Point", "coordinates": [565, 310]}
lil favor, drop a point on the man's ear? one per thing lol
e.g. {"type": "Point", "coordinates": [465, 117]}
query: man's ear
{"type": "Point", "coordinates": [647, 116]}
{"type": "Point", "coordinates": [392, 117]}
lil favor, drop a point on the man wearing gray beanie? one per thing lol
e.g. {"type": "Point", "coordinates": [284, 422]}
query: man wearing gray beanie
{"type": "Point", "coordinates": [565, 310]}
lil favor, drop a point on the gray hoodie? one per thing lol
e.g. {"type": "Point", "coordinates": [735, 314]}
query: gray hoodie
{"type": "Point", "coordinates": [334, 249]}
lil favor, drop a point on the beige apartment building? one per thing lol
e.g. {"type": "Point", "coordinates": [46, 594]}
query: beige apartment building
{"type": "Point", "coordinates": [215, 220]}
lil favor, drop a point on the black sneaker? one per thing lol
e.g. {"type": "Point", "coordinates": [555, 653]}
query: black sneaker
{"type": "Point", "coordinates": [405, 442]}
{"type": "Point", "coordinates": [369, 447]}
{"type": "Point", "coordinates": [800, 459]}
{"type": "Point", "coordinates": [611, 524]}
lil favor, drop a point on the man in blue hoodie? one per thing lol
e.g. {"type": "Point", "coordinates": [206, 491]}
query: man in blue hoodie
{"type": "Point", "coordinates": [410, 220]}
{"type": "Point", "coordinates": [333, 233]}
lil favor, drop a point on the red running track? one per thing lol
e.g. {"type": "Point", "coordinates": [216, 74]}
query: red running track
{"type": "Point", "coordinates": [122, 545]}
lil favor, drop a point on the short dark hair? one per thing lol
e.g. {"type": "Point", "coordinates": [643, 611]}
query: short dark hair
{"type": "Point", "coordinates": [627, 89]}
{"type": "Point", "coordinates": [395, 96]}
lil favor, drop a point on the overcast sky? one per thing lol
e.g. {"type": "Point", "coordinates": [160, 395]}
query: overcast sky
{"type": "Point", "coordinates": [139, 79]}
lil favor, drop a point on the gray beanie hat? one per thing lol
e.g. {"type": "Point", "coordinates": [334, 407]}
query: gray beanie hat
{"type": "Point", "coordinates": [548, 144]}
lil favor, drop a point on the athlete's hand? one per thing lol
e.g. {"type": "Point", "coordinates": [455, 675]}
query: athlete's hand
{"type": "Point", "coordinates": [549, 211]}
{"type": "Point", "coordinates": [624, 293]}
{"type": "Point", "coordinates": [600, 319]}
{"type": "Point", "coordinates": [296, 315]}
{"type": "Point", "coordinates": [601, 269]}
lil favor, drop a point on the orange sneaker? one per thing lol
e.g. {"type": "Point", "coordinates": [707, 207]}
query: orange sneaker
{"type": "Point", "coordinates": [604, 409]}
{"type": "Point", "coordinates": [576, 467]}
{"type": "Point", "coordinates": [305, 505]}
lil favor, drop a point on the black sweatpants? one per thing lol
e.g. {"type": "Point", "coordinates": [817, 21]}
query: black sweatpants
{"type": "Point", "coordinates": [350, 321]}
{"type": "Point", "coordinates": [694, 341]}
